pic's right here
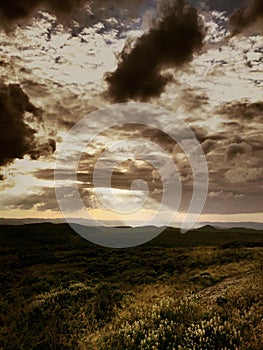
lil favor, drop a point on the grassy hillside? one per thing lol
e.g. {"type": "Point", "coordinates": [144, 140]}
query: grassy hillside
{"type": "Point", "coordinates": [181, 291]}
{"type": "Point", "coordinates": [59, 234]}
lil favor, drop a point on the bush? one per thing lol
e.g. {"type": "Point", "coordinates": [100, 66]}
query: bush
{"type": "Point", "coordinates": [57, 319]}
{"type": "Point", "coordinates": [173, 324]}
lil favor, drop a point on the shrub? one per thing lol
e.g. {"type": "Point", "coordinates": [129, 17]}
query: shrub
{"type": "Point", "coordinates": [172, 324]}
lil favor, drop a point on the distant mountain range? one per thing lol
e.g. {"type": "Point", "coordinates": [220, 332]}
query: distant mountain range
{"type": "Point", "coordinates": [241, 224]}
{"type": "Point", "coordinates": [50, 234]}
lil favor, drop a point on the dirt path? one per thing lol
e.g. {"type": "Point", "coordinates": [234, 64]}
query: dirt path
{"type": "Point", "coordinates": [210, 294]}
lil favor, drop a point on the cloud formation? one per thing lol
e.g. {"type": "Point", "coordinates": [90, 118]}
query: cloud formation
{"type": "Point", "coordinates": [219, 5]}
{"type": "Point", "coordinates": [243, 110]}
{"type": "Point", "coordinates": [171, 42]}
{"type": "Point", "coordinates": [235, 149]}
{"type": "Point", "coordinates": [17, 138]}
{"type": "Point", "coordinates": [246, 16]}
{"type": "Point", "coordinates": [13, 10]}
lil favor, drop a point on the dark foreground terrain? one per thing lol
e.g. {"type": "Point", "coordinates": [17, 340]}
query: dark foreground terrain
{"type": "Point", "coordinates": [200, 290]}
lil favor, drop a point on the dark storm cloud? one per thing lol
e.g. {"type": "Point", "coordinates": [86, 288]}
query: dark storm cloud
{"type": "Point", "coordinates": [13, 10]}
{"type": "Point", "coordinates": [243, 110]}
{"type": "Point", "coordinates": [235, 149]}
{"type": "Point", "coordinates": [171, 42]}
{"type": "Point", "coordinates": [218, 5]}
{"type": "Point", "coordinates": [246, 16]}
{"type": "Point", "coordinates": [256, 143]}
{"type": "Point", "coordinates": [43, 149]}
{"type": "Point", "coordinates": [17, 138]}
{"type": "Point", "coordinates": [203, 134]}
{"type": "Point", "coordinates": [192, 100]}
{"type": "Point", "coordinates": [208, 145]}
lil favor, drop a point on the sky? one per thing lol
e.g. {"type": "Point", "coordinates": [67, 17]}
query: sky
{"type": "Point", "coordinates": [200, 60]}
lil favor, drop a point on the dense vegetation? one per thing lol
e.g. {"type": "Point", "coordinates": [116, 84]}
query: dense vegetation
{"type": "Point", "coordinates": [202, 290]}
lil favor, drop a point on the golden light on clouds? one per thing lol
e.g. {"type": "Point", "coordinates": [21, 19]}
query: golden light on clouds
{"type": "Point", "coordinates": [61, 68]}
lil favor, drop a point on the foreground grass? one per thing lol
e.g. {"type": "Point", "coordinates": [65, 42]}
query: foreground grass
{"type": "Point", "coordinates": [77, 296]}
{"type": "Point", "coordinates": [188, 321]}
